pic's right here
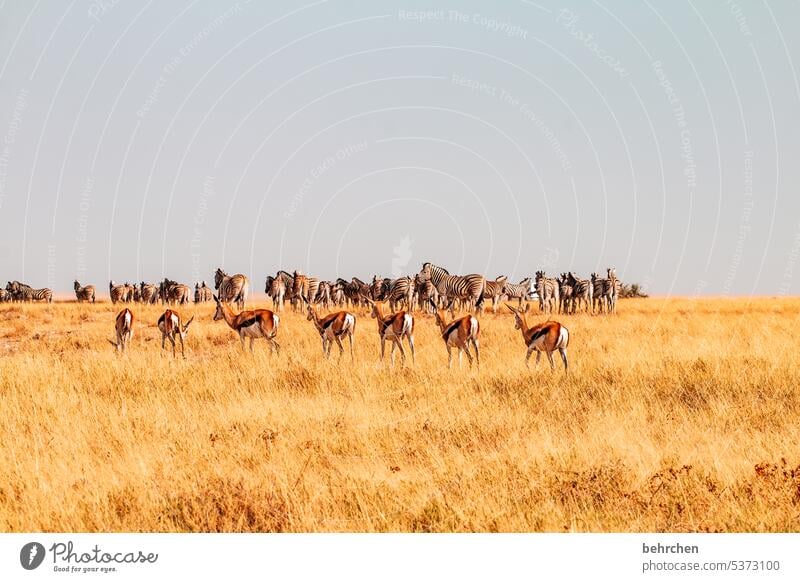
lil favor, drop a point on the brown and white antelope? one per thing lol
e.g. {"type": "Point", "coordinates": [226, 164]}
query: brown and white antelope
{"type": "Point", "coordinates": [253, 324]}
{"type": "Point", "coordinates": [123, 325]}
{"type": "Point", "coordinates": [170, 326]}
{"type": "Point", "coordinates": [544, 337]}
{"type": "Point", "coordinates": [460, 333]}
{"type": "Point", "coordinates": [332, 328]}
{"type": "Point", "coordinates": [394, 328]}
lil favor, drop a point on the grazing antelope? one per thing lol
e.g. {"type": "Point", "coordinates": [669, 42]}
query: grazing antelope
{"type": "Point", "coordinates": [84, 293]}
{"type": "Point", "coordinates": [332, 328]}
{"type": "Point", "coordinates": [394, 327]}
{"type": "Point", "coordinates": [545, 337]}
{"type": "Point", "coordinates": [123, 325]}
{"type": "Point", "coordinates": [459, 333]}
{"type": "Point", "coordinates": [231, 288]}
{"type": "Point", "coordinates": [253, 324]}
{"type": "Point", "coordinates": [468, 288]}
{"type": "Point", "coordinates": [170, 326]}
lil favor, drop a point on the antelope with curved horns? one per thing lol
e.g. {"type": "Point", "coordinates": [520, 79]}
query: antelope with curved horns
{"type": "Point", "coordinates": [170, 326]}
{"type": "Point", "coordinates": [332, 328]}
{"type": "Point", "coordinates": [394, 327]}
{"type": "Point", "coordinates": [253, 324]}
{"type": "Point", "coordinates": [123, 325]}
{"type": "Point", "coordinates": [545, 337]}
{"type": "Point", "coordinates": [459, 333]}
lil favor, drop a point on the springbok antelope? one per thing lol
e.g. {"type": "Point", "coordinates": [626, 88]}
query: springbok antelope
{"type": "Point", "coordinates": [332, 328]}
{"type": "Point", "coordinates": [84, 293]}
{"type": "Point", "coordinates": [253, 324]}
{"type": "Point", "coordinates": [394, 327]}
{"type": "Point", "coordinates": [545, 337]}
{"type": "Point", "coordinates": [123, 325]}
{"type": "Point", "coordinates": [459, 333]}
{"type": "Point", "coordinates": [170, 326]}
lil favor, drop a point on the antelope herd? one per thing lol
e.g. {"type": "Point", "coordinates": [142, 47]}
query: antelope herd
{"type": "Point", "coordinates": [391, 303]}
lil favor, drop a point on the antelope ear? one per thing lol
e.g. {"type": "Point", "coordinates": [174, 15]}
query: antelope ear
{"type": "Point", "coordinates": [215, 298]}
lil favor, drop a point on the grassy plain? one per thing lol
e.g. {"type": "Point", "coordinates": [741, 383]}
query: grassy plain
{"type": "Point", "coordinates": [678, 415]}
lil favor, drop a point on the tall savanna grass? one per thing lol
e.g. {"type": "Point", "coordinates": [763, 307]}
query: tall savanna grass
{"type": "Point", "coordinates": [677, 415]}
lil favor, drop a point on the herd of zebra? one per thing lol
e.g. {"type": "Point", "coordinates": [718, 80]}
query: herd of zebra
{"type": "Point", "coordinates": [432, 286]}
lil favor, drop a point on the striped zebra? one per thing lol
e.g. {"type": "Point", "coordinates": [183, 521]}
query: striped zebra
{"type": "Point", "coordinates": [202, 293]}
{"type": "Point", "coordinates": [304, 288]}
{"type": "Point", "coordinates": [519, 291]}
{"type": "Point", "coordinates": [427, 295]}
{"type": "Point", "coordinates": [148, 293]}
{"type": "Point", "coordinates": [379, 288]}
{"type": "Point", "coordinates": [5, 296]}
{"type": "Point", "coordinates": [324, 294]}
{"type": "Point", "coordinates": [614, 288]}
{"type": "Point", "coordinates": [275, 288]}
{"type": "Point", "coordinates": [337, 293]}
{"type": "Point", "coordinates": [231, 288]}
{"type": "Point", "coordinates": [466, 288]}
{"type": "Point", "coordinates": [565, 291]}
{"type": "Point", "coordinates": [172, 293]}
{"type": "Point", "coordinates": [27, 294]}
{"type": "Point", "coordinates": [494, 290]}
{"type": "Point", "coordinates": [357, 291]}
{"type": "Point", "coordinates": [599, 293]}
{"type": "Point", "coordinates": [15, 289]}
{"type": "Point", "coordinates": [582, 292]}
{"type": "Point", "coordinates": [84, 293]}
{"type": "Point", "coordinates": [549, 293]}
{"type": "Point", "coordinates": [117, 292]}
{"type": "Point", "coordinates": [401, 292]}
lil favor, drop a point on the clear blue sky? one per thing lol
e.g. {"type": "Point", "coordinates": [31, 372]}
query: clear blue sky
{"type": "Point", "coordinates": [143, 139]}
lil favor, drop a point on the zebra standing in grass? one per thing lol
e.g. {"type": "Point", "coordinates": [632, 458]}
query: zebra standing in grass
{"type": "Point", "coordinates": [27, 294]}
{"type": "Point", "coordinates": [276, 289]}
{"type": "Point", "coordinates": [519, 291]}
{"type": "Point", "coordinates": [565, 290]}
{"type": "Point", "coordinates": [400, 292]}
{"type": "Point", "coordinates": [599, 287]}
{"type": "Point", "coordinates": [324, 294]}
{"type": "Point", "coordinates": [548, 291]}
{"type": "Point", "coordinates": [148, 293]}
{"type": "Point", "coordinates": [304, 288]}
{"type": "Point", "coordinates": [379, 288]}
{"type": "Point", "coordinates": [130, 293]}
{"type": "Point", "coordinates": [467, 288]}
{"type": "Point", "coordinates": [4, 296]}
{"type": "Point", "coordinates": [494, 290]}
{"type": "Point", "coordinates": [582, 292]}
{"type": "Point", "coordinates": [84, 293]}
{"type": "Point", "coordinates": [172, 292]}
{"type": "Point", "coordinates": [202, 293]}
{"type": "Point", "coordinates": [427, 295]}
{"type": "Point", "coordinates": [117, 292]}
{"type": "Point", "coordinates": [231, 288]}
{"type": "Point", "coordinates": [614, 288]}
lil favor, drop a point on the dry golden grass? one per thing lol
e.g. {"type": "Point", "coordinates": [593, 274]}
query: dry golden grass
{"type": "Point", "coordinates": [679, 415]}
